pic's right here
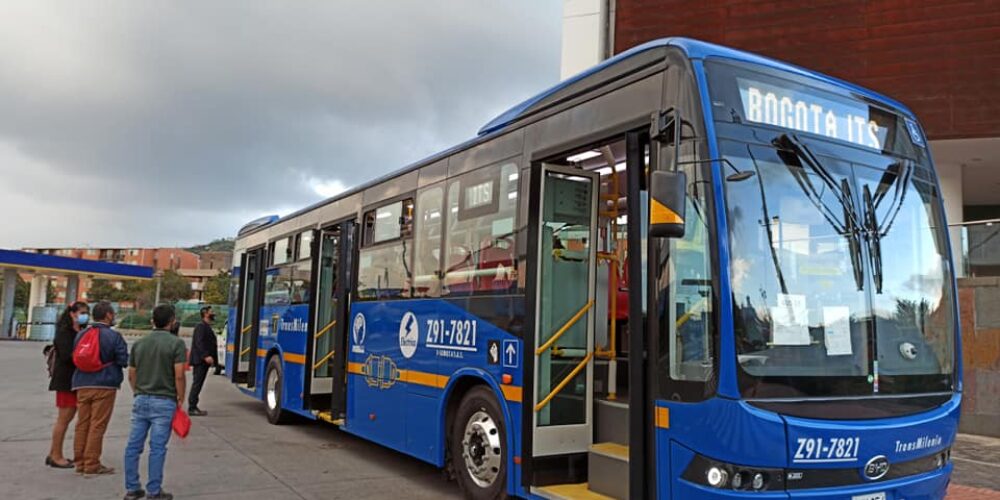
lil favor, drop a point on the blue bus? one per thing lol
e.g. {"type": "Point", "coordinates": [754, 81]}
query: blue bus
{"type": "Point", "coordinates": [688, 272]}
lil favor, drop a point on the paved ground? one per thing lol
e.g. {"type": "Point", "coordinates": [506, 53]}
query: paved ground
{"type": "Point", "coordinates": [234, 453]}
{"type": "Point", "coordinates": [231, 453]}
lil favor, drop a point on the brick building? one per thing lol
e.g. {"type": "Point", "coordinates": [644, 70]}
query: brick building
{"type": "Point", "coordinates": [160, 259]}
{"type": "Point", "coordinates": [217, 260]}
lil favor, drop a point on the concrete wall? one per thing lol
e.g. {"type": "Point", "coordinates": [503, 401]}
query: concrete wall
{"type": "Point", "coordinates": [979, 301]}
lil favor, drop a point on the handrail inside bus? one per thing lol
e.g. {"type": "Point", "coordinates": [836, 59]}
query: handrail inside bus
{"type": "Point", "coordinates": [325, 329]}
{"type": "Point", "coordinates": [244, 351]}
{"type": "Point", "coordinates": [247, 328]}
{"type": "Point", "coordinates": [559, 333]}
{"type": "Point", "coordinates": [324, 360]}
{"type": "Point", "coordinates": [562, 385]}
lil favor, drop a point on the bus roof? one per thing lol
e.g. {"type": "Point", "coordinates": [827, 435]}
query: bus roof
{"type": "Point", "coordinates": [693, 49]}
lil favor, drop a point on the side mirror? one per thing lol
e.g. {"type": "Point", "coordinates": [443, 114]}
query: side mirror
{"type": "Point", "coordinates": [666, 204]}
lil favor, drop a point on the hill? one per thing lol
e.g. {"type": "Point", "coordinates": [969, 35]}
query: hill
{"type": "Point", "coordinates": [218, 245]}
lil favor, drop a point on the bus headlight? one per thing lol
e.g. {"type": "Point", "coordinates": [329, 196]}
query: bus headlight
{"type": "Point", "coordinates": [708, 472]}
{"type": "Point", "coordinates": [717, 476]}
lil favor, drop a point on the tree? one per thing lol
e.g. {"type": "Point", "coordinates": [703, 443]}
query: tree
{"type": "Point", "coordinates": [174, 287]}
{"type": "Point", "coordinates": [141, 293]}
{"type": "Point", "coordinates": [216, 289]}
{"type": "Point", "coordinates": [103, 290]}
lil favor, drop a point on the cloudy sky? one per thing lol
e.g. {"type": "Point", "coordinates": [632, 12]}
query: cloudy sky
{"type": "Point", "coordinates": [162, 123]}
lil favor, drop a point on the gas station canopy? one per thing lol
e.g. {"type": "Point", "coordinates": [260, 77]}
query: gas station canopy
{"type": "Point", "coordinates": [13, 262]}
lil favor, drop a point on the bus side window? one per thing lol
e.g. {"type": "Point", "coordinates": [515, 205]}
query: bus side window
{"type": "Point", "coordinates": [386, 259]}
{"type": "Point", "coordinates": [427, 243]}
{"type": "Point", "coordinates": [480, 240]}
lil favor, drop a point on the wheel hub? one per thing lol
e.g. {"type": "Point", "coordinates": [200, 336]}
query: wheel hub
{"type": "Point", "coordinates": [482, 449]}
{"type": "Point", "coordinates": [272, 390]}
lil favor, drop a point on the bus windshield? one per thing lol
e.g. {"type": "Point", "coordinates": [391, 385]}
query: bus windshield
{"type": "Point", "coordinates": [839, 267]}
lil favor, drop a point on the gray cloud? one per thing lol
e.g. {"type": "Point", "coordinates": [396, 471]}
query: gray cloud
{"type": "Point", "coordinates": [175, 123]}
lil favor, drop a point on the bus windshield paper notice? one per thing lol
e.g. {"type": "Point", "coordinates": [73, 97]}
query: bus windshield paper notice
{"type": "Point", "coordinates": [837, 324]}
{"type": "Point", "coordinates": [790, 321]}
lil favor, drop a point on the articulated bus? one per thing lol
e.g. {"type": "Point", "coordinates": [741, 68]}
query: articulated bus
{"type": "Point", "coordinates": [688, 272]}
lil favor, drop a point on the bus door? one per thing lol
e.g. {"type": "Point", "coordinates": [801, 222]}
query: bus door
{"type": "Point", "coordinates": [334, 263]}
{"type": "Point", "coordinates": [564, 336]}
{"type": "Point", "coordinates": [249, 317]}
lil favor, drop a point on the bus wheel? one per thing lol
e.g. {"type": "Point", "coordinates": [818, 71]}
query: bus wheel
{"type": "Point", "coordinates": [272, 393]}
{"type": "Point", "coordinates": [478, 441]}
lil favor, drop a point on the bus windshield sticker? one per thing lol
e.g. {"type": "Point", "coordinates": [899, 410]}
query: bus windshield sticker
{"type": "Point", "coordinates": [837, 325]}
{"type": "Point", "coordinates": [916, 136]}
{"type": "Point", "coordinates": [821, 114]}
{"type": "Point", "coordinates": [789, 321]}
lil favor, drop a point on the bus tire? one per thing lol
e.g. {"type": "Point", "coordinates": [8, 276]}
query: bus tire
{"type": "Point", "coordinates": [272, 392]}
{"type": "Point", "coordinates": [477, 445]}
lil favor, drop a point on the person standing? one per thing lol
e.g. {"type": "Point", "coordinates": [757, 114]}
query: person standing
{"type": "Point", "coordinates": [72, 320]}
{"type": "Point", "coordinates": [156, 375]}
{"type": "Point", "coordinates": [203, 352]}
{"type": "Point", "coordinates": [96, 391]}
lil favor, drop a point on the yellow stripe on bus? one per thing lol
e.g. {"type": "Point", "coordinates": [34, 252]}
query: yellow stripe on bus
{"type": "Point", "coordinates": [663, 417]}
{"type": "Point", "coordinates": [299, 359]}
{"type": "Point", "coordinates": [261, 353]}
{"type": "Point", "coordinates": [510, 392]}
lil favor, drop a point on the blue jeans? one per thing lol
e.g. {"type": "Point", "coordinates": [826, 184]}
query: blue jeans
{"type": "Point", "coordinates": [151, 416]}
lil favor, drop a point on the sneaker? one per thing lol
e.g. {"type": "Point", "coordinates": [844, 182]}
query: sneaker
{"type": "Point", "coordinates": [162, 495]}
{"type": "Point", "coordinates": [135, 495]}
{"type": "Point", "coordinates": [197, 412]}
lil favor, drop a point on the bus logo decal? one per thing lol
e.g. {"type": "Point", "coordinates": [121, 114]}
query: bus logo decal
{"type": "Point", "coordinates": [358, 334]}
{"type": "Point", "coordinates": [409, 335]}
{"type": "Point", "coordinates": [876, 468]}
{"type": "Point", "coordinates": [380, 372]}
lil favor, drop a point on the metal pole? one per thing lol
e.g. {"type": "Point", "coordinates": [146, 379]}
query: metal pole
{"type": "Point", "coordinates": [7, 302]}
{"type": "Point", "coordinates": [156, 301]}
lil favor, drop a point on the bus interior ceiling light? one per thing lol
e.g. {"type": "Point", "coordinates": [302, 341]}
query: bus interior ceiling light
{"type": "Point", "coordinates": [584, 156]}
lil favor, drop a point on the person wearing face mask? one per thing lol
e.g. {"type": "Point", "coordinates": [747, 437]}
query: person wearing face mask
{"type": "Point", "coordinates": [96, 392]}
{"type": "Point", "coordinates": [72, 321]}
{"type": "Point", "coordinates": [203, 352]}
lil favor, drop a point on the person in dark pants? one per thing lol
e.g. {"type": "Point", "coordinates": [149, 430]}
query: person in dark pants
{"type": "Point", "coordinates": [203, 349]}
{"type": "Point", "coordinates": [73, 319]}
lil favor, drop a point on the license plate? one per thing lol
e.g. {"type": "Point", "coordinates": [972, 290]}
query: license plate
{"type": "Point", "coordinates": [870, 496]}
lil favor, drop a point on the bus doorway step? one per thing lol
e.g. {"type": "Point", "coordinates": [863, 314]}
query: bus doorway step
{"type": "Point", "coordinates": [328, 417]}
{"type": "Point", "coordinates": [569, 492]}
{"type": "Point", "coordinates": [607, 465]}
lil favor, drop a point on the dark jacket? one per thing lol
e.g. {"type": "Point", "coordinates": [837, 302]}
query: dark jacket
{"type": "Point", "coordinates": [203, 344]}
{"type": "Point", "coordinates": [62, 370]}
{"type": "Point", "coordinates": [114, 350]}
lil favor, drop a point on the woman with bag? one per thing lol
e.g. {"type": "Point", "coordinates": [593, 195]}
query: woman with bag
{"type": "Point", "coordinates": [73, 320]}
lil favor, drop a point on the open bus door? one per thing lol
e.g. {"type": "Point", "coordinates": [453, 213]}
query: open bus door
{"type": "Point", "coordinates": [248, 326]}
{"type": "Point", "coordinates": [334, 263]}
{"type": "Point", "coordinates": [586, 428]}
{"type": "Point", "coordinates": [562, 399]}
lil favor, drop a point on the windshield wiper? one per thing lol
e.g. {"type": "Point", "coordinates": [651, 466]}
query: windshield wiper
{"type": "Point", "coordinates": [851, 229]}
{"type": "Point", "coordinates": [898, 174]}
{"type": "Point", "coordinates": [767, 225]}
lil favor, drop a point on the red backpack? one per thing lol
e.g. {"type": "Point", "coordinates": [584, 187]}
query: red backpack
{"type": "Point", "coordinates": [87, 353]}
